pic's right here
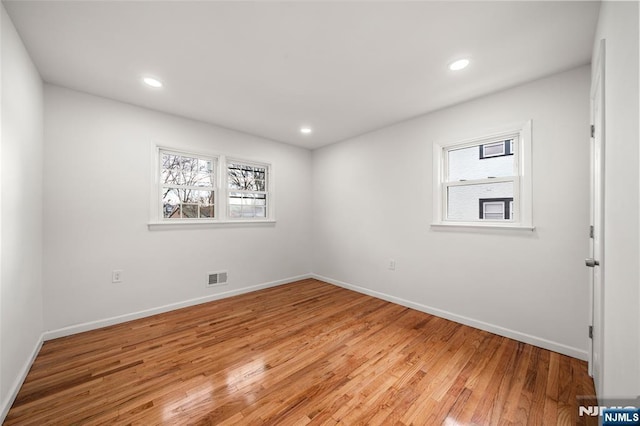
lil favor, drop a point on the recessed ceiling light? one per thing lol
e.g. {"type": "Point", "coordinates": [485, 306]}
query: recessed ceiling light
{"type": "Point", "coordinates": [153, 82]}
{"type": "Point", "coordinates": [459, 64]}
{"type": "Point", "coordinates": [305, 130]}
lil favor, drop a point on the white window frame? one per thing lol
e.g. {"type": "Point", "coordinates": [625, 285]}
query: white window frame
{"type": "Point", "coordinates": [161, 185]}
{"type": "Point", "coordinates": [220, 188]}
{"type": "Point", "coordinates": [521, 212]}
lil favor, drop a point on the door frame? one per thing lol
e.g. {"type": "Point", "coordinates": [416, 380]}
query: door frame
{"type": "Point", "coordinates": [596, 242]}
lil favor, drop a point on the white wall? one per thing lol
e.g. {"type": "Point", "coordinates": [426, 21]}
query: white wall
{"type": "Point", "coordinates": [20, 213]}
{"type": "Point", "coordinates": [373, 202]}
{"type": "Point", "coordinates": [98, 162]}
{"type": "Point", "coordinates": [618, 25]}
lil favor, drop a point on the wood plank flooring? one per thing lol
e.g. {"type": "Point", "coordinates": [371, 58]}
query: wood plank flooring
{"type": "Point", "coordinates": [302, 353]}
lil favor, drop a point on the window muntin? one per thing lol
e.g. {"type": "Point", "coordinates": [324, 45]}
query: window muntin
{"type": "Point", "coordinates": [463, 176]}
{"type": "Point", "coordinates": [248, 196]}
{"type": "Point", "coordinates": [187, 186]}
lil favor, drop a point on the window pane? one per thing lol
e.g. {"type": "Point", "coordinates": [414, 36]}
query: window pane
{"type": "Point", "coordinates": [190, 171]}
{"type": "Point", "coordinates": [259, 185]}
{"type": "Point", "coordinates": [189, 211]}
{"type": "Point", "coordinates": [246, 203]}
{"type": "Point", "coordinates": [237, 176]}
{"type": "Point", "coordinates": [204, 176]}
{"type": "Point", "coordinates": [171, 170]}
{"type": "Point", "coordinates": [235, 198]}
{"type": "Point", "coordinates": [205, 166]}
{"type": "Point", "coordinates": [246, 178]}
{"type": "Point", "coordinates": [170, 203]}
{"type": "Point", "coordinates": [243, 212]}
{"type": "Point", "coordinates": [235, 211]}
{"type": "Point", "coordinates": [189, 164]}
{"type": "Point", "coordinates": [187, 203]}
{"type": "Point", "coordinates": [463, 200]}
{"type": "Point", "coordinates": [247, 210]}
{"type": "Point", "coordinates": [206, 211]}
{"type": "Point", "coordinates": [466, 164]}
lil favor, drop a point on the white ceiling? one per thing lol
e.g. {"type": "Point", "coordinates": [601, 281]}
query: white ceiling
{"type": "Point", "coordinates": [266, 68]}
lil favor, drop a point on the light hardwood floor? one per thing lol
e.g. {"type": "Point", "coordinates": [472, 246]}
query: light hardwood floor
{"type": "Point", "coordinates": [302, 353]}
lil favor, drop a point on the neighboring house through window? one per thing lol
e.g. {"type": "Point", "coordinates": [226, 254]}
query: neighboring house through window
{"type": "Point", "coordinates": [496, 149]}
{"type": "Point", "coordinates": [496, 208]}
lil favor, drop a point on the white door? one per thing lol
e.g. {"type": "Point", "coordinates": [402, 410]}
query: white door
{"type": "Point", "coordinates": [596, 252]}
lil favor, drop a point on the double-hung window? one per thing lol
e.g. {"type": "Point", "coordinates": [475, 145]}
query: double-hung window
{"type": "Point", "coordinates": [485, 181]}
{"type": "Point", "coordinates": [247, 186]}
{"type": "Point", "coordinates": [201, 188]}
{"type": "Point", "coordinates": [187, 186]}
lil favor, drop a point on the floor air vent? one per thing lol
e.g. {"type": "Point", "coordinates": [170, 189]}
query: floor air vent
{"type": "Point", "coordinates": [217, 278]}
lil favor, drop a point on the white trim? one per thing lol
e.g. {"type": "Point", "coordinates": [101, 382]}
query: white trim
{"type": "Point", "coordinates": [597, 249]}
{"type": "Point", "coordinates": [487, 225]}
{"type": "Point", "coordinates": [17, 383]}
{"type": "Point", "coordinates": [486, 181]}
{"type": "Point", "coordinates": [268, 188]}
{"type": "Point", "coordinates": [200, 223]}
{"type": "Point", "coordinates": [93, 325]}
{"type": "Point", "coordinates": [245, 162]}
{"type": "Point", "coordinates": [492, 328]}
{"type": "Point", "coordinates": [215, 160]}
{"type": "Point", "coordinates": [439, 169]}
{"type": "Point", "coordinates": [524, 148]}
{"type": "Point", "coordinates": [492, 135]}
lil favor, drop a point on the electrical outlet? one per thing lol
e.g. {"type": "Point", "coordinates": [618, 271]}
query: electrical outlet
{"type": "Point", "coordinates": [392, 264]}
{"type": "Point", "coordinates": [116, 276]}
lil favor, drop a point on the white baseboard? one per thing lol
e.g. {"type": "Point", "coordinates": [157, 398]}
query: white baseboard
{"type": "Point", "coordinates": [93, 325]}
{"type": "Point", "coordinates": [495, 329]}
{"type": "Point", "coordinates": [17, 383]}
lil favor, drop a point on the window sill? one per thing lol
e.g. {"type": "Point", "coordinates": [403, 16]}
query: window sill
{"type": "Point", "coordinates": [209, 224]}
{"type": "Point", "coordinates": [473, 225]}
